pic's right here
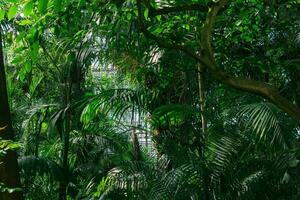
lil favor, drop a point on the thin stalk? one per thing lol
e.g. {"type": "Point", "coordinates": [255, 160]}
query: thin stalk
{"type": "Point", "coordinates": [66, 139]}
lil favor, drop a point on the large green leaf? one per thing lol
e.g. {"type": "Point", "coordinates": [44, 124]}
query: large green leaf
{"type": "Point", "coordinates": [42, 6]}
{"type": "Point", "coordinates": [12, 12]}
{"type": "Point", "coordinates": [262, 119]}
{"type": "Point", "coordinates": [2, 15]}
{"type": "Point", "coordinates": [57, 5]}
{"type": "Point", "coordinates": [28, 8]}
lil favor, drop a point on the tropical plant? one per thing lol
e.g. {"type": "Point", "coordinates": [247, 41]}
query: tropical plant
{"type": "Point", "coordinates": [144, 99]}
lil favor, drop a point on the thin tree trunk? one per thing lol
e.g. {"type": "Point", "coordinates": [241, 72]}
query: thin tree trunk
{"type": "Point", "coordinates": [38, 127]}
{"type": "Point", "coordinates": [66, 142]}
{"type": "Point", "coordinates": [207, 59]}
{"type": "Point", "coordinates": [136, 146]}
{"type": "Point", "coordinates": [9, 170]}
{"type": "Point", "coordinates": [136, 152]}
{"type": "Point", "coordinates": [205, 175]}
{"type": "Point", "coordinates": [72, 90]}
{"type": "Point", "coordinates": [202, 100]}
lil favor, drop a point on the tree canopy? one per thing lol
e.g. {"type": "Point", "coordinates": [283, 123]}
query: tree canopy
{"type": "Point", "coordinates": [149, 99]}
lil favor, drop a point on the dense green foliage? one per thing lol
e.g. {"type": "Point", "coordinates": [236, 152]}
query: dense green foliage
{"type": "Point", "coordinates": [212, 86]}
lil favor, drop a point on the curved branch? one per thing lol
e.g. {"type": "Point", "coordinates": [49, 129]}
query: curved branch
{"type": "Point", "coordinates": [207, 30]}
{"type": "Point", "coordinates": [207, 60]}
{"type": "Point", "coordinates": [161, 42]}
{"type": "Point", "coordinates": [259, 88]}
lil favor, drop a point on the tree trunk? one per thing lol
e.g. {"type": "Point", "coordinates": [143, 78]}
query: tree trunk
{"type": "Point", "coordinates": [66, 142]}
{"type": "Point", "coordinates": [205, 175]}
{"type": "Point", "coordinates": [207, 60]}
{"type": "Point", "coordinates": [71, 91]}
{"type": "Point", "coordinates": [9, 170]}
{"type": "Point", "coordinates": [202, 100]}
{"type": "Point", "coordinates": [136, 146]}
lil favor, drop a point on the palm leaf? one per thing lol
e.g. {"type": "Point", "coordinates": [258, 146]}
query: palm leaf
{"type": "Point", "coordinates": [262, 119]}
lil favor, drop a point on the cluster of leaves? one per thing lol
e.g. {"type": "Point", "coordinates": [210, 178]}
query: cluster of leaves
{"type": "Point", "coordinates": [81, 77]}
{"type": "Point", "coordinates": [5, 146]}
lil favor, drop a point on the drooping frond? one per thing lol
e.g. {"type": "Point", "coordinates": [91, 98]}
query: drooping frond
{"type": "Point", "coordinates": [262, 118]}
{"type": "Point", "coordinates": [221, 151]}
{"type": "Point", "coordinates": [174, 184]}
{"type": "Point", "coordinates": [32, 165]}
{"type": "Point", "coordinates": [249, 184]}
{"type": "Point", "coordinates": [136, 177]}
{"type": "Point", "coordinates": [173, 114]}
{"type": "Point", "coordinates": [114, 101]}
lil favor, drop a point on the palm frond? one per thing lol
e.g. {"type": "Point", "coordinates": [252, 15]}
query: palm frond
{"type": "Point", "coordinates": [262, 118]}
{"type": "Point", "coordinates": [32, 165]}
{"type": "Point", "coordinates": [115, 102]}
{"type": "Point", "coordinates": [222, 149]}
{"type": "Point", "coordinates": [173, 114]}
